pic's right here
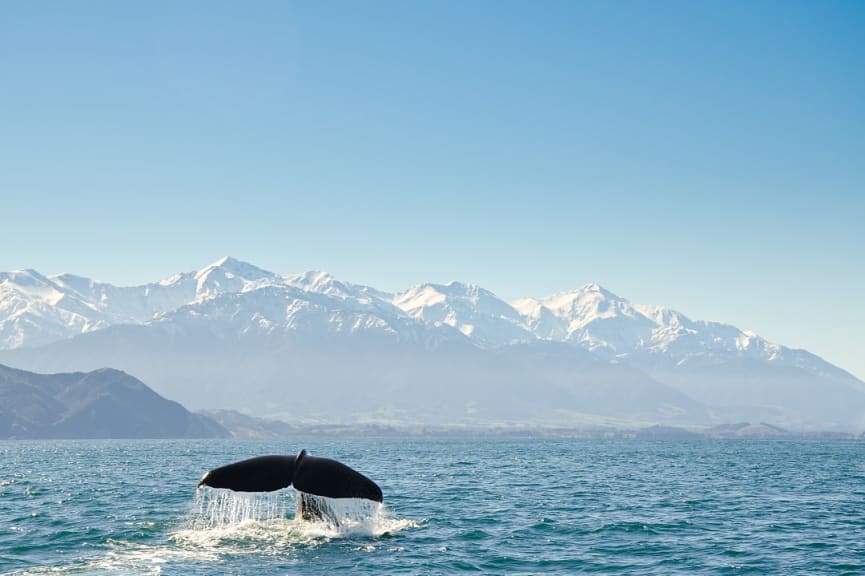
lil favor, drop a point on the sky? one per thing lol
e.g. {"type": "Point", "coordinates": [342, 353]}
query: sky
{"type": "Point", "coordinates": [708, 156]}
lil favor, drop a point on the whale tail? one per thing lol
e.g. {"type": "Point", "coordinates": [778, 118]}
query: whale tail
{"type": "Point", "coordinates": [310, 474]}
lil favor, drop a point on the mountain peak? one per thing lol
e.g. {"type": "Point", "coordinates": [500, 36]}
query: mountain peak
{"type": "Point", "coordinates": [453, 289]}
{"type": "Point", "coordinates": [225, 261]}
{"type": "Point", "coordinates": [232, 263]}
{"type": "Point", "coordinates": [25, 277]}
{"type": "Point", "coordinates": [234, 267]}
{"type": "Point", "coordinates": [590, 295]}
{"type": "Point", "coordinates": [461, 289]}
{"type": "Point", "coordinates": [318, 281]}
{"type": "Point", "coordinates": [472, 310]}
{"type": "Point", "coordinates": [228, 275]}
{"type": "Point", "coordinates": [317, 277]}
{"type": "Point", "coordinates": [595, 288]}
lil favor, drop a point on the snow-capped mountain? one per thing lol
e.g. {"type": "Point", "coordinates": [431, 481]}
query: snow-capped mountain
{"type": "Point", "coordinates": [232, 295]}
{"type": "Point", "coordinates": [737, 373]}
{"type": "Point", "coordinates": [233, 335]}
{"type": "Point", "coordinates": [650, 336]}
{"type": "Point", "coordinates": [591, 317]}
{"type": "Point", "coordinates": [319, 312]}
{"type": "Point", "coordinates": [324, 283]}
{"type": "Point", "coordinates": [35, 310]}
{"type": "Point", "coordinates": [477, 313]}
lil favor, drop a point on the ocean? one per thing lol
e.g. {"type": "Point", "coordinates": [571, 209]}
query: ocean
{"type": "Point", "coordinates": [488, 506]}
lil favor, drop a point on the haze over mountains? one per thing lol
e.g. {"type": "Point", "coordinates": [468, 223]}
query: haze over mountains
{"type": "Point", "coordinates": [312, 348]}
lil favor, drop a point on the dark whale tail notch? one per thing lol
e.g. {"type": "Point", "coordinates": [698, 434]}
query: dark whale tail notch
{"type": "Point", "coordinates": [318, 476]}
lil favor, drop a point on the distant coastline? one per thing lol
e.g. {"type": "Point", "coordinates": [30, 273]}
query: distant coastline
{"type": "Point", "coordinates": [110, 404]}
{"type": "Point", "coordinates": [245, 426]}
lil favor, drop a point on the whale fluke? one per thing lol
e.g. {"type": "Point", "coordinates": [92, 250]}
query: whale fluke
{"type": "Point", "coordinates": [260, 474]}
{"type": "Point", "coordinates": [325, 477]}
{"type": "Point", "coordinates": [310, 474]}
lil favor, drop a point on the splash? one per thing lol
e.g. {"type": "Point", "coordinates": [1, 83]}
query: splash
{"type": "Point", "coordinates": [336, 517]}
{"type": "Point", "coordinates": [223, 517]}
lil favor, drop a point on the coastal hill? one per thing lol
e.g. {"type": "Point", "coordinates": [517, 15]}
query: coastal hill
{"type": "Point", "coordinates": [104, 403]}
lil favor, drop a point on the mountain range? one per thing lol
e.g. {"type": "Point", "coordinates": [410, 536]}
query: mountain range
{"type": "Point", "coordinates": [311, 348]}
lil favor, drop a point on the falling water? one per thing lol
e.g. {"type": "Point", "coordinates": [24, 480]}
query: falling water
{"type": "Point", "coordinates": [220, 512]}
{"type": "Point", "coordinates": [344, 514]}
{"type": "Point", "coordinates": [221, 508]}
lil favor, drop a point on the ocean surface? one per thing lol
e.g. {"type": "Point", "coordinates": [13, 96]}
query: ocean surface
{"type": "Point", "coordinates": [494, 506]}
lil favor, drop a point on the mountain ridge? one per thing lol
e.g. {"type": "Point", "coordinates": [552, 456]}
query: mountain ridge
{"type": "Point", "coordinates": [230, 275]}
{"type": "Point", "coordinates": [351, 331]}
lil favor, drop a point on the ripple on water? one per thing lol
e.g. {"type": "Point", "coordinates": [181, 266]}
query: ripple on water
{"type": "Point", "coordinates": [609, 507]}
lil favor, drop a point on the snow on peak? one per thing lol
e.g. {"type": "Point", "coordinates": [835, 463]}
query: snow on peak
{"type": "Point", "coordinates": [599, 320]}
{"type": "Point", "coordinates": [229, 275]}
{"type": "Point", "coordinates": [29, 284]}
{"type": "Point", "coordinates": [592, 301]}
{"type": "Point", "coordinates": [78, 283]}
{"type": "Point", "coordinates": [430, 294]}
{"type": "Point", "coordinates": [317, 281]}
{"type": "Point", "coordinates": [24, 278]}
{"type": "Point", "coordinates": [419, 297]}
{"type": "Point", "coordinates": [463, 290]}
{"type": "Point", "coordinates": [172, 280]}
{"type": "Point", "coordinates": [327, 284]}
{"type": "Point", "coordinates": [231, 267]}
{"type": "Point", "coordinates": [36, 310]}
{"type": "Point", "coordinates": [474, 311]}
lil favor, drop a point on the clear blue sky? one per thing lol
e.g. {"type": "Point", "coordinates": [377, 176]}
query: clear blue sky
{"type": "Point", "coordinates": [709, 156]}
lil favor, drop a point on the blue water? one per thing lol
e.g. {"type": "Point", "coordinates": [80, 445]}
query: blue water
{"type": "Point", "coordinates": [493, 506]}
